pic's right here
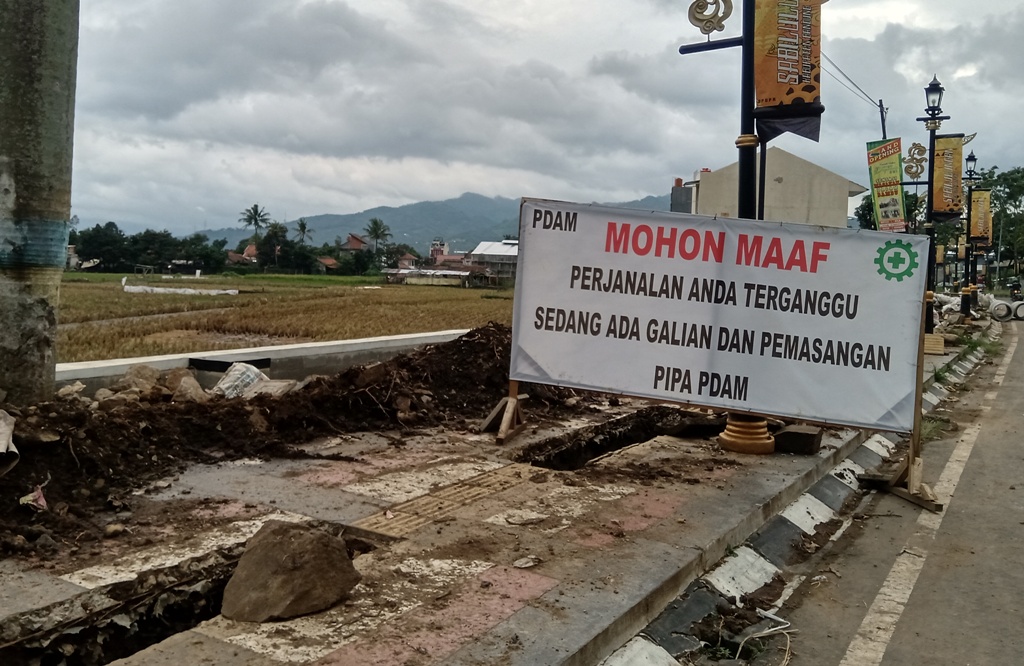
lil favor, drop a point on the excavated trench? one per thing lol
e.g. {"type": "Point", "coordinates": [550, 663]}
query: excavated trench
{"type": "Point", "coordinates": [572, 451]}
{"type": "Point", "coordinates": [115, 621]}
{"type": "Point", "coordinates": [118, 620]}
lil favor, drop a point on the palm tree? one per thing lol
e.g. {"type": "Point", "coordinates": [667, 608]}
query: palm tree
{"type": "Point", "coordinates": [302, 231]}
{"type": "Point", "coordinates": [377, 231]}
{"type": "Point", "coordinates": [254, 217]}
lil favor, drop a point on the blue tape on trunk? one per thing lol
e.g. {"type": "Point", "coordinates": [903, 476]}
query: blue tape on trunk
{"type": "Point", "coordinates": [33, 243]}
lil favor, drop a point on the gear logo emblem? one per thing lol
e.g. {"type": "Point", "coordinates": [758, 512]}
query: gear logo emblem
{"type": "Point", "coordinates": [896, 260]}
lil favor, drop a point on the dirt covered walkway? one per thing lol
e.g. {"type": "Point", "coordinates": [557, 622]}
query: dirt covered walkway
{"type": "Point", "coordinates": [88, 463]}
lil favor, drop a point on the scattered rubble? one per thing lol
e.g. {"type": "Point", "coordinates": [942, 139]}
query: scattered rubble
{"type": "Point", "coordinates": [93, 453]}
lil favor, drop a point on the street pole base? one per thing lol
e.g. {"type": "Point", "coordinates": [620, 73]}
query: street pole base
{"type": "Point", "coordinates": [746, 434]}
{"type": "Point", "coordinates": [929, 312]}
{"type": "Point", "coordinates": [965, 303]}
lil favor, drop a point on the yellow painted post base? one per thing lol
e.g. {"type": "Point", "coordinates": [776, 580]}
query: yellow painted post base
{"type": "Point", "coordinates": [746, 434]}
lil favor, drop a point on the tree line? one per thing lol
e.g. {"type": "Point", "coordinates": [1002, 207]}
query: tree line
{"type": "Point", "coordinates": [278, 249]}
{"type": "Point", "coordinates": [1007, 214]}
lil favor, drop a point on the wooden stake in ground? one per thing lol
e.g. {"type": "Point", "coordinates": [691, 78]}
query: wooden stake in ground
{"type": "Point", "coordinates": [906, 481]}
{"type": "Point", "coordinates": [512, 420]}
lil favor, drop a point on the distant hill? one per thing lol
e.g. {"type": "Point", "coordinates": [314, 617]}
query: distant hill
{"type": "Point", "coordinates": [462, 222]}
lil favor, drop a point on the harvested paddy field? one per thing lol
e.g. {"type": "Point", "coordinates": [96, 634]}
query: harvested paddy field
{"type": "Point", "coordinates": [98, 320]}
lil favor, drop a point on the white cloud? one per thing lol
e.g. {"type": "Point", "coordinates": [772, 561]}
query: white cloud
{"type": "Point", "coordinates": [190, 110]}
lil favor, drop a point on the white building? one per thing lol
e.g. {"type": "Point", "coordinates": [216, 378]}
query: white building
{"type": "Point", "coordinates": [498, 257]}
{"type": "Point", "coordinates": [795, 191]}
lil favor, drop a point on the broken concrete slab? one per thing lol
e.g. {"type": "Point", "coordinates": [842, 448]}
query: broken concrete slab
{"type": "Point", "coordinates": [799, 439]}
{"type": "Point", "coordinates": [289, 570]}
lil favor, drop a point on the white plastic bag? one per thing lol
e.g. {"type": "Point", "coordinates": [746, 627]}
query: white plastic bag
{"type": "Point", "coordinates": [239, 377]}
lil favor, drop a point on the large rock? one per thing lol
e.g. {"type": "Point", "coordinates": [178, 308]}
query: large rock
{"type": "Point", "coordinates": [189, 390]}
{"type": "Point", "coordinates": [142, 377]}
{"type": "Point", "coordinates": [288, 570]}
{"type": "Point", "coordinates": [172, 378]}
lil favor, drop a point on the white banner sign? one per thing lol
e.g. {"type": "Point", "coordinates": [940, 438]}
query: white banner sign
{"type": "Point", "coordinates": [792, 320]}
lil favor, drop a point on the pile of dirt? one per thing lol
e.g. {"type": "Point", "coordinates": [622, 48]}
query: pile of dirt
{"type": "Point", "coordinates": [85, 460]}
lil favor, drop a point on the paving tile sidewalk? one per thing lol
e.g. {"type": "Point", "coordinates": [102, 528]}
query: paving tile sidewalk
{"type": "Point", "coordinates": [456, 522]}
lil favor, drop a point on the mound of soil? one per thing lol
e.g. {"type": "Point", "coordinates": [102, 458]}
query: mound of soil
{"type": "Point", "coordinates": [87, 460]}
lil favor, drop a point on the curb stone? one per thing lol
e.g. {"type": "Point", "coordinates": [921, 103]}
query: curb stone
{"type": "Point", "coordinates": [672, 635]}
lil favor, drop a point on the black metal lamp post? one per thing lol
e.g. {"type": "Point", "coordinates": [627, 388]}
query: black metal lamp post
{"type": "Point", "coordinates": [744, 433]}
{"type": "Point", "coordinates": [968, 292]}
{"type": "Point", "coordinates": [932, 122]}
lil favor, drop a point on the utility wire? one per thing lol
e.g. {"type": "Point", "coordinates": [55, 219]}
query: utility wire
{"type": "Point", "coordinates": [868, 97]}
{"type": "Point", "coordinates": [855, 92]}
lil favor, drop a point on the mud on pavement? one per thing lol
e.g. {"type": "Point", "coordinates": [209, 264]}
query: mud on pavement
{"type": "Point", "coordinates": [89, 462]}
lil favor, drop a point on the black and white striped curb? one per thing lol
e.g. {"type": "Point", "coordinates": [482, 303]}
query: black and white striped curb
{"type": "Point", "coordinates": [738, 599]}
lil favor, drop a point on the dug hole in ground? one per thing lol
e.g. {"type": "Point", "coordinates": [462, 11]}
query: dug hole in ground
{"type": "Point", "coordinates": [126, 516]}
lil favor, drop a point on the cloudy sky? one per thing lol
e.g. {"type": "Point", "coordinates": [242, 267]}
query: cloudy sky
{"type": "Point", "coordinates": [189, 111]}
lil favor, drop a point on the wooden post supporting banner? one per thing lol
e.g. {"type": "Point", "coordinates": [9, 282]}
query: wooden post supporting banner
{"type": "Point", "coordinates": [905, 481]}
{"type": "Point", "coordinates": [510, 410]}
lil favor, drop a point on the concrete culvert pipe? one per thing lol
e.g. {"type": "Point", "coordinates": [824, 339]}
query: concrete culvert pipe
{"type": "Point", "coordinates": [1001, 311]}
{"type": "Point", "coordinates": [1018, 310]}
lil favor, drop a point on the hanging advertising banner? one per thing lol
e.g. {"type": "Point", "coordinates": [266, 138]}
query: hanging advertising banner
{"type": "Point", "coordinates": [981, 216]}
{"type": "Point", "coordinates": [787, 67]}
{"type": "Point", "coordinates": [885, 168]}
{"type": "Point", "coordinates": [807, 322]}
{"type": "Point", "coordinates": [947, 175]}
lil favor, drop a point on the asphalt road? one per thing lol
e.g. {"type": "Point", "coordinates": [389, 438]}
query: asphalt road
{"type": "Point", "coordinates": [905, 586]}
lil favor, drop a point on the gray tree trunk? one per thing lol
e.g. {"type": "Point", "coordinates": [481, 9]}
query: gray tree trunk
{"type": "Point", "coordinates": [38, 61]}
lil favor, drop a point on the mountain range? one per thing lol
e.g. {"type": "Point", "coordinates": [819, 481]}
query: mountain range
{"type": "Point", "coordinates": [462, 222]}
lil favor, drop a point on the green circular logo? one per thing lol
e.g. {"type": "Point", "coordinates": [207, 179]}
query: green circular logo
{"type": "Point", "coordinates": [896, 260]}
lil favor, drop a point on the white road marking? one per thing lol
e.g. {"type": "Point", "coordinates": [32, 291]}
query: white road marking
{"type": "Point", "coordinates": [869, 645]}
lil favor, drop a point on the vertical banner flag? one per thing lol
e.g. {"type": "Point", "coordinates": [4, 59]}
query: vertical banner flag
{"type": "Point", "coordinates": [981, 216]}
{"type": "Point", "coordinates": [787, 67]}
{"type": "Point", "coordinates": [796, 320]}
{"type": "Point", "coordinates": [947, 174]}
{"type": "Point", "coordinates": [885, 166]}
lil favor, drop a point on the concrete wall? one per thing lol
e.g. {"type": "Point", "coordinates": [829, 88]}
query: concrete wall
{"type": "Point", "coordinates": [435, 281]}
{"type": "Point", "coordinates": [796, 191]}
{"type": "Point", "coordinates": [296, 361]}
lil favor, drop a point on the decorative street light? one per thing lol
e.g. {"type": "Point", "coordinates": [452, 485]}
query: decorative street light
{"type": "Point", "coordinates": [967, 294]}
{"type": "Point", "coordinates": [932, 122]}
{"type": "Point", "coordinates": [743, 432]}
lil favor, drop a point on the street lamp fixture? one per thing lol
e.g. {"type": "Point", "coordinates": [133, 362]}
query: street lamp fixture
{"type": "Point", "coordinates": [932, 122]}
{"type": "Point", "coordinates": [933, 97]}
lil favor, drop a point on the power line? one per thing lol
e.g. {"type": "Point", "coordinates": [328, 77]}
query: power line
{"type": "Point", "coordinates": [882, 111]}
{"type": "Point", "coordinates": [868, 97]}
{"type": "Point", "coordinates": [857, 94]}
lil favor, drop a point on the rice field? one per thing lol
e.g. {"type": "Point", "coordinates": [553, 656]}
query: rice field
{"type": "Point", "coordinates": [98, 320]}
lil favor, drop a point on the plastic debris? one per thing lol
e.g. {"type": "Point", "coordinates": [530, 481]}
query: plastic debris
{"type": "Point", "coordinates": [36, 499]}
{"type": "Point", "coordinates": [527, 562]}
{"type": "Point", "coordinates": [9, 455]}
{"type": "Point", "coordinates": [237, 379]}
{"type": "Point", "coordinates": [141, 289]}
